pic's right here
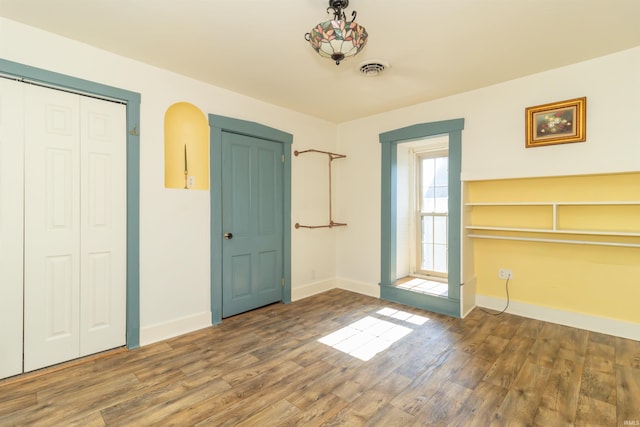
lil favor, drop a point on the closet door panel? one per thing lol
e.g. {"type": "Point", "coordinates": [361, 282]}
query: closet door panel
{"type": "Point", "coordinates": [103, 232]}
{"type": "Point", "coordinates": [52, 227]}
{"type": "Point", "coordinates": [11, 223]}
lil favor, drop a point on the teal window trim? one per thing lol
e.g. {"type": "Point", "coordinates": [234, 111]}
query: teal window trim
{"type": "Point", "coordinates": [389, 144]}
{"type": "Point", "coordinates": [132, 101]}
{"type": "Point", "coordinates": [219, 124]}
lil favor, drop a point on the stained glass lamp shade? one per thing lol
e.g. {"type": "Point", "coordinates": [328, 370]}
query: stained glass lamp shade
{"type": "Point", "coordinates": [337, 38]}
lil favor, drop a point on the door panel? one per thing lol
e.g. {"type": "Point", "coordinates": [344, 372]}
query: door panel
{"type": "Point", "coordinates": [11, 224]}
{"type": "Point", "coordinates": [51, 228]}
{"type": "Point", "coordinates": [268, 217]}
{"type": "Point", "coordinates": [241, 276]}
{"type": "Point", "coordinates": [103, 226]}
{"type": "Point", "coordinates": [267, 271]}
{"type": "Point", "coordinates": [59, 302]}
{"type": "Point", "coordinates": [252, 213]}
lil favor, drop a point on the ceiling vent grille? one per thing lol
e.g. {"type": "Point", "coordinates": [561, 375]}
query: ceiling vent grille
{"type": "Point", "coordinates": [373, 68]}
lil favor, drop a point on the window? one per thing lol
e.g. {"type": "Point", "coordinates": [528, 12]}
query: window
{"type": "Point", "coordinates": [392, 143]}
{"type": "Point", "coordinates": [432, 213]}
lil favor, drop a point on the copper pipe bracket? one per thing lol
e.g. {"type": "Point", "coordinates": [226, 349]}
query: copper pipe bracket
{"type": "Point", "coordinates": [332, 157]}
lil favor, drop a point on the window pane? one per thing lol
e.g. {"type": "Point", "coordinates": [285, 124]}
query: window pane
{"type": "Point", "coordinates": [428, 172]}
{"type": "Point", "coordinates": [428, 200]}
{"type": "Point", "coordinates": [427, 184]}
{"type": "Point", "coordinates": [441, 171]}
{"type": "Point", "coordinates": [427, 257]}
{"type": "Point", "coordinates": [440, 258]}
{"type": "Point", "coordinates": [440, 230]}
{"type": "Point", "coordinates": [427, 229]}
{"type": "Point", "coordinates": [441, 204]}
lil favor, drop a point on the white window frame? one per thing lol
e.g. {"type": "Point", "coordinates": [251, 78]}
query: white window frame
{"type": "Point", "coordinates": [437, 148]}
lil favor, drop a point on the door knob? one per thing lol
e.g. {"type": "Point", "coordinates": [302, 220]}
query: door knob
{"type": "Point", "coordinates": [228, 236]}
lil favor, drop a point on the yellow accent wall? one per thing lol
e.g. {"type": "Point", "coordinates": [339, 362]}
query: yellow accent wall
{"type": "Point", "coordinates": [596, 280]}
{"type": "Point", "coordinates": [185, 125]}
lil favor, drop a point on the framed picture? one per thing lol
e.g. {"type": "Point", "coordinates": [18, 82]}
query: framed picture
{"type": "Point", "coordinates": [556, 123]}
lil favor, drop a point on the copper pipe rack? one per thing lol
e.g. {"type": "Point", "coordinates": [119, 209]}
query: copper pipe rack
{"type": "Point", "coordinates": [332, 157]}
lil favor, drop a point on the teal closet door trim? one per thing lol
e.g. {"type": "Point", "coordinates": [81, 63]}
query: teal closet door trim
{"type": "Point", "coordinates": [132, 100]}
{"type": "Point", "coordinates": [389, 143]}
{"type": "Point", "coordinates": [219, 124]}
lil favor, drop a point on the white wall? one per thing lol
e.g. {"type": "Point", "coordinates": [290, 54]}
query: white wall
{"type": "Point", "coordinates": [493, 139]}
{"type": "Point", "coordinates": [493, 143]}
{"type": "Point", "coordinates": [174, 224]}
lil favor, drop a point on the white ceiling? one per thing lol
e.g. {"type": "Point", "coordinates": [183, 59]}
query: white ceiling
{"type": "Point", "coordinates": [435, 48]}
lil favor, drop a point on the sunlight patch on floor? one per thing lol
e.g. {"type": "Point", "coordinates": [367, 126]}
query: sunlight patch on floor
{"type": "Point", "coordinates": [370, 335]}
{"type": "Point", "coordinates": [424, 286]}
{"type": "Point", "coordinates": [403, 315]}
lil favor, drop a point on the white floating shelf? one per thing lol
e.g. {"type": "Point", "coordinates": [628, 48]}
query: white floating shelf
{"type": "Point", "coordinates": [573, 242]}
{"type": "Point", "coordinates": [557, 231]}
{"type": "Point", "coordinates": [600, 203]}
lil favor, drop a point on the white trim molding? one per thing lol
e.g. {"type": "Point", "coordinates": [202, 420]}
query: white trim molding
{"type": "Point", "coordinates": [468, 297]}
{"type": "Point", "coordinates": [604, 325]}
{"type": "Point", "coordinates": [162, 331]}
{"type": "Point", "coordinates": [310, 289]}
{"type": "Point", "coordinates": [372, 290]}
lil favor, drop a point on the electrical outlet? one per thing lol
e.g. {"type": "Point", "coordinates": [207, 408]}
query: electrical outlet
{"type": "Point", "coordinates": [505, 274]}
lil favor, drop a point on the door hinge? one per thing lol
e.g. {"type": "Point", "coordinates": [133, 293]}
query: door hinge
{"type": "Point", "coordinates": [283, 158]}
{"type": "Point", "coordinates": [282, 281]}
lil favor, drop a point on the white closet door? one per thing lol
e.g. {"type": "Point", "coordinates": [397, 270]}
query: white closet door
{"type": "Point", "coordinates": [52, 227]}
{"type": "Point", "coordinates": [103, 225]}
{"type": "Point", "coordinates": [11, 222]}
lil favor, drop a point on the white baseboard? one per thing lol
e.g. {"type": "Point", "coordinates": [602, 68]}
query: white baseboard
{"type": "Point", "coordinates": [310, 289]}
{"type": "Point", "coordinates": [173, 328]}
{"type": "Point", "coordinates": [359, 287]}
{"type": "Point", "coordinates": [619, 328]}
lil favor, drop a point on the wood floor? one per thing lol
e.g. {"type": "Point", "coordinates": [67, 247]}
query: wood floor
{"type": "Point", "coordinates": [269, 368]}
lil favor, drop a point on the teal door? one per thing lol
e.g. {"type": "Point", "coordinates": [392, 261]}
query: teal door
{"type": "Point", "coordinates": [252, 223]}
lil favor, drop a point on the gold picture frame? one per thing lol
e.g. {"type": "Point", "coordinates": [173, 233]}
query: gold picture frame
{"type": "Point", "coordinates": [556, 123]}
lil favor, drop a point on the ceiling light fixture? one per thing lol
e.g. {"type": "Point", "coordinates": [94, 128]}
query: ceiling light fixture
{"type": "Point", "coordinates": [338, 38]}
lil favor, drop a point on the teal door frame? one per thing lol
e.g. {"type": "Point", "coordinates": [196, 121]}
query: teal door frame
{"type": "Point", "coordinates": [219, 124]}
{"type": "Point", "coordinates": [389, 142]}
{"type": "Point", "coordinates": [35, 75]}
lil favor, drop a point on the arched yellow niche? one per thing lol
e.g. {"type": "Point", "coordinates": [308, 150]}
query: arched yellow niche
{"type": "Point", "coordinates": [186, 147]}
